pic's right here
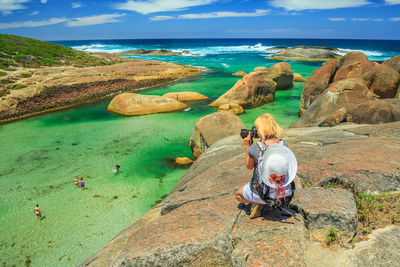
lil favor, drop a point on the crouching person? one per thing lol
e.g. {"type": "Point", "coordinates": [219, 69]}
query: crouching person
{"type": "Point", "coordinates": [274, 168]}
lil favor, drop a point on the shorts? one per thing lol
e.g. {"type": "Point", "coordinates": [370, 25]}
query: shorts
{"type": "Point", "coordinates": [82, 185]}
{"type": "Point", "coordinates": [251, 196]}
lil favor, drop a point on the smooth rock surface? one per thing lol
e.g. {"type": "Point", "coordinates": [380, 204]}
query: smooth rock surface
{"type": "Point", "coordinates": [232, 107]}
{"type": "Point", "coordinates": [211, 128]}
{"type": "Point", "coordinates": [134, 104]}
{"type": "Point", "coordinates": [186, 96]}
{"type": "Point", "coordinates": [305, 54]}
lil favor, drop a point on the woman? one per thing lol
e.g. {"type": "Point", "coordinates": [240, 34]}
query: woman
{"type": "Point", "coordinates": [273, 176]}
{"type": "Point", "coordinates": [81, 184]}
{"type": "Point", "coordinates": [37, 212]}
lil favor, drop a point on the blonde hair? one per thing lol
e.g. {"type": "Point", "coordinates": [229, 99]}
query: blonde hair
{"type": "Point", "coordinates": [267, 126]}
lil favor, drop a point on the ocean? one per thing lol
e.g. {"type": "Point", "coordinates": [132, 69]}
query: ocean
{"type": "Point", "coordinates": [42, 155]}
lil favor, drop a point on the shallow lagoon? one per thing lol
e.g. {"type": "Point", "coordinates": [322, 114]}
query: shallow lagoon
{"type": "Point", "coordinates": [42, 155]}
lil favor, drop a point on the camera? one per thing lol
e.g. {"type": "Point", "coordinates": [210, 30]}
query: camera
{"type": "Point", "coordinates": [253, 132]}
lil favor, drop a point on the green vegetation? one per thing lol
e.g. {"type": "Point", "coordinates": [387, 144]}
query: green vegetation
{"type": "Point", "coordinates": [19, 51]}
{"type": "Point", "coordinates": [376, 211]}
{"type": "Point", "coordinates": [25, 75]}
{"type": "Point", "coordinates": [332, 234]}
{"type": "Point", "coordinates": [2, 73]}
{"type": "Point", "coordinates": [18, 86]}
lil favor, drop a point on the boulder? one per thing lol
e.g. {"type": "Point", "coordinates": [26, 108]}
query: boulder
{"type": "Point", "coordinates": [134, 104]}
{"type": "Point", "coordinates": [183, 161]}
{"type": "Point", "coordinates": [335, 118]}
{"type": "Point", "coordinates": [213, 127]}
{"type": "Point", "coordinates": [240, 73]}
{"type": "Point", "coordinates": [305, 54]}
{"type": "Point", "coordinates": [353, 65]}
{"type": "Point", "coordinates": [375, 111]}
{"type": "Point", "coordinates": [342, 94]}
{"type": "Point", "coordinates": [253, 90]}
{"type": "Point", "coordinates": [185, 96]}
{"type": "Point", "coordinates": [317, 83]}
{"type": "Point", "coordinates": [298, 78]}
{"type": "Point", "coordinates": [326, 208]}
{"type": "Point", "coordinates": [258, 88]}
{"type": "Point", "coordinates": [382, 80]}
{"type": "Point", "coordinates": [234, 108]}
{"type": "Point", "coordinates": [393, 62]}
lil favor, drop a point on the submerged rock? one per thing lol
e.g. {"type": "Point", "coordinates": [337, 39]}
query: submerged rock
{"type": "Point", "coordinates": [240, 73]}
{"type": "Point", "coordinates": [134, 104]}
{"type": "Point", "coordinates": [298, 78]}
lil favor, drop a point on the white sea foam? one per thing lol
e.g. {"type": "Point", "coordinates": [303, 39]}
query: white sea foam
{"type": "Point", "coordinates": [368, 53]}
{"type": "Point", "coordinates": [225, 65]}
{"type": "Point", "coordinates": [102, 48]}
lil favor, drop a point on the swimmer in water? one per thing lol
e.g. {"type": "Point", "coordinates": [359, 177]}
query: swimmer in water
{"type": "Point", "coordinates": [37, 212]}
{"type": "Point", "coordinates": [82, 184]}
{"type": "Point", "coordinates": [117, 167]}
{"type": "Point", "coordinates": [76, 181]}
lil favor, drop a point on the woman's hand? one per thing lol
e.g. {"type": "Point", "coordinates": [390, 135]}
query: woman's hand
{"type": "Point", "coordinates": [247, 140]}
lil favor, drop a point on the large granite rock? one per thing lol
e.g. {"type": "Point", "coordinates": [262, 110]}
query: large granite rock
{"type": "Point", "coordinates": [298, 78]}
{"type": "Point", "coordinates": [393, 62]}
{"type": "Point", "coordinates": [134, 104]}
{"type": "Point", "coordinates": [186, 96]}
{"type": "Point", "coordinates": [213, 127]}
{"type": "Point", "coordinates": [342, 94]}
{"type": "Point", "coordinates": [354, 73]}
{"type": "Point", "coordinates": [362, 158]}
{"type": "Point", "coordinates": [305, 54]}
{"type": "Point", "coordinates": [317, 83]}
{"type": "Point", "coordinates": [382, 80]}
{"type": "Point", "coordinates": [258, 88]}
{"type": "Point", "coordinates": [326, 208]}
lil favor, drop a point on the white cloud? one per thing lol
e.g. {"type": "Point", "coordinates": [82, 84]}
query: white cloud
{"type": "Point", "coordinates": [213, 15]}
{"type": "Point", "coordinates": [34, 13]}
{"type": "Point", "coordinates": [159, 18]}
{"type": "Point", "coordinates": [392, 2]}
{"type": "Point", "coordinates": [32, 23]}
{"type": "Point", "coordinates": [75, 5]}
{"type": "Point", "coordinates": [43, 1]}
{"type": "Point", "coordinates": [225, 14]}
{"type": "Point", "coordinates": [377, 19]}
{"type": "Point", "coordinates": [74, 22]}
{"type": "Point", "coordinates": [337, 19]}
{"type": "Point", "coordinates": [7, 6]}
{"type": "Point", "coordinates": [94, 20]}
{"type": "Point", "coordinates": [318, 4]}
{"type": "Point", "coordinates": [395, 19]}
{"type": "Point", "coordinates": [152, 6]}
{"type": "Point", "coordinates": [360, 19]}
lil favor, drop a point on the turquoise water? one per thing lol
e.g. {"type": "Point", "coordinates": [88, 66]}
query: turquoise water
{"type": "Point", "coordinates": [42, 155]}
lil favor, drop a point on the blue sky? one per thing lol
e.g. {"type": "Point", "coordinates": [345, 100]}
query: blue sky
{"type": "Point", "coordinates": [137, 19]}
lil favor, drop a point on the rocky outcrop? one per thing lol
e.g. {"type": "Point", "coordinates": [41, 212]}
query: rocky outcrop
{"type": "Point", "coordinates": [301, 53]}
{"type": "Point", "coordinates": [258, 88]}
{"type": "Point", "coordinates": [298, 78]}
{"type": "Point", "coordinates": [234, 108]}
{"type": "Point", "coordinates": [211, 128]}
{"type": "Point", "coordinates": [355, 85]}
{"type": "Point", "coordinates": [393, 62]}
{"type": "Point", "coordinates": [130, 104]}
{"type": "Point", "coordinates": [317, 83]}
{"type": "Point", "coordinates": [326, 208]}
{"type": "Point", "coordinates": [186, 96]}
{"type": "Point", "coordinates": [198, 223]}
{"type": "Point", "coordinates": [55, 88]}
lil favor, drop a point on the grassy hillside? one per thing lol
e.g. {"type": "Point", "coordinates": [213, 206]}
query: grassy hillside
{"type": "Point", "coordinates": [19, 51]}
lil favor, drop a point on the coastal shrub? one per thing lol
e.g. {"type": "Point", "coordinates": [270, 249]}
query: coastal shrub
{"type": "Point", "coordinates": [331, 236]}
{"type": "Point", "coordinates": [2, 73]}
{"type": "Point", "coordinates": [19, 86]}
{"type": "Point", "coordinates": [25, 75]}
{"type": "Point", "coordinates": [26, 52]}
{"type": "Point", "coordinates": [3, 92]}
{"type": "Point", "coordinates": [8, 91]}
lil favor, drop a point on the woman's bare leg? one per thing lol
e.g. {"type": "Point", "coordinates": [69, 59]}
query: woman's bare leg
{"type": "Point", "coordinates": [239, 196]}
